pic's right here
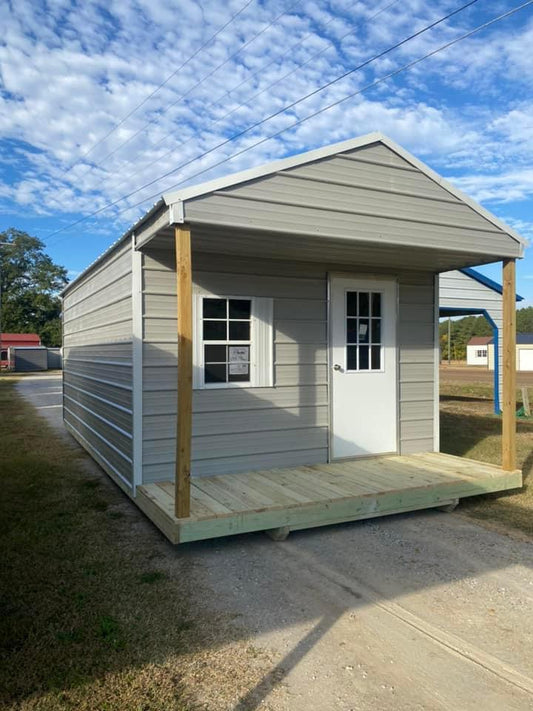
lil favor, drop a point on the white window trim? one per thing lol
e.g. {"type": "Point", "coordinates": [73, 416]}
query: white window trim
{"type": "Point", "coordinates": [261, 342]}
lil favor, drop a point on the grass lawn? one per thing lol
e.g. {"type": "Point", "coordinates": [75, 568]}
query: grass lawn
{"type": "Point", "coordinates": [469, 428]}
{"type": "Point", "coordinates": [97, 611]}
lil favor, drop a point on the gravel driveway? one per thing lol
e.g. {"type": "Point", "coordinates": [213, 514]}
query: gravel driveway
{"type": "Point", "coordinates": [414, 612]}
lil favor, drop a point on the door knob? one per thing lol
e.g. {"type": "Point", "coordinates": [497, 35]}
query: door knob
{"type": "Point", "coordinates": [337, 367]}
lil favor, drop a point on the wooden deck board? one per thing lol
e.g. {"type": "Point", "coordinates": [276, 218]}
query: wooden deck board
{"type": "Point", "coordinates": [317, 495]}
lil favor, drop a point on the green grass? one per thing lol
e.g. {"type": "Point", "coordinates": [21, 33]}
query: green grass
{"type": "Point", "coordinates": [87, 618]}
{"type": "Point", "coordinates": [469, 428]}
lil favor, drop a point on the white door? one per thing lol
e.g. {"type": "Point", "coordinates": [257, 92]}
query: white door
{"type": "Point", "coordinates": [525, 359]}
{"type": "Point", "coordinates": [363, 362]}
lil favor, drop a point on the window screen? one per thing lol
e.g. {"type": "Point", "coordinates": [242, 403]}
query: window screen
{"type": "Point", "coordinates": [364, 322]}
{"type": "Point", "coordinates": [226, 332]}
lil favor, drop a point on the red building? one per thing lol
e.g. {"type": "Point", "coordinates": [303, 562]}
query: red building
{"type": "Point", "coordinates": [15, 339]}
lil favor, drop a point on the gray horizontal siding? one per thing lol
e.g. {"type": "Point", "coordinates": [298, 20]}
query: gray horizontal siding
{"type": "Point", "coordinates": [290, 415]}
{"type": "Point", "coordinates": [370, 195]}
{"type": "Point", "coordinates": [252, 428]}
{"type": "Point", "coordinates": [97, 364]}
{"type": "Point", "coordinates": [416, 341]}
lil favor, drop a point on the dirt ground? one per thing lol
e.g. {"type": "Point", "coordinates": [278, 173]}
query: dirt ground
{"type": "Point", "coordinates": [479, 374]}
{"type": "Point", "coordinates": [420, 612]}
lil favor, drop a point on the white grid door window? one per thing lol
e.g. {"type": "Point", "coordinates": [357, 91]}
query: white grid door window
{"type": "Point", "coordinates": [233, 342]}
{"type": "Point", "coordinates": [364, 346]}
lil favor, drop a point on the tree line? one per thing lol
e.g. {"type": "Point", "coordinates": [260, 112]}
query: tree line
{"type": "Point", "coordinates": [463, 329]}
{"type": "Point", "coordinates": [30, 283]}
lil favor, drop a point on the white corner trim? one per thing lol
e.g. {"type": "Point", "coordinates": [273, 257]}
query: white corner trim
{"type": "Point", "coordinates": [176, 213]}
{"type": "Point", "coordinates": [137, 356]}
{"type": "Point", "coordinates": [436, 372]}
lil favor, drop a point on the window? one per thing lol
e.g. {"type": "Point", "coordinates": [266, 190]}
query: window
{"type": "Point", "coordinates": [363, 330]}
{"type": "Point", "coordinates": [3, 355]}
{"type": "Point", "coordinates": [226, 328]}
{"type": "Point", "coordinates": [481, 353]}
{"type": "Point", "coordinates": [233, 342]}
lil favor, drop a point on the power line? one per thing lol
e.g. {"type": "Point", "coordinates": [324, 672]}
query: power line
{"type": "Point", "coordinates": [160, 86]}
{"type": "Point", "coordinates": [262, 91]}
{"type": "Point", "coordinates": [189, 91]}
{"type": "Point", "coordinates": [405, 67]}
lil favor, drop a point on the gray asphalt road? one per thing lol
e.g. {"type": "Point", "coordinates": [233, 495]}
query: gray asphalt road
{"type": "Point", "coordinates": [419, 612]}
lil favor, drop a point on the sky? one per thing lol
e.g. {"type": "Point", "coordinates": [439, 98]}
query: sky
{"type": "Point", "coordinates": [98, 99]}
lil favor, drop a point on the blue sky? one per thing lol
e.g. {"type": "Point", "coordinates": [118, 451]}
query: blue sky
{"type": "Point", "coordinates": [71, 70]}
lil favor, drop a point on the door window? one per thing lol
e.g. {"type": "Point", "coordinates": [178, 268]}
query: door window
{"type": "Point", "coordinates": [363, 331]}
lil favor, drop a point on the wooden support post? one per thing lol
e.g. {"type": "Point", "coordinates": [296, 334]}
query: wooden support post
{"type": "Point", "coordinates": [509, 367]}
{"type": "Point", "coordinates": [182, 501]}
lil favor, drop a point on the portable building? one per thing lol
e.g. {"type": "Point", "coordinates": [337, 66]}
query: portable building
{"type": "Point", "coordinates": [524, 352]}
{"type": "Point", "coordinates": [476, 350]}
{"type": "Point", "coordinates": [8, 340]}
{"type": "Point", "coordinates": [26, 359]}
{"type": "Point", "coordinates": [261, 352]}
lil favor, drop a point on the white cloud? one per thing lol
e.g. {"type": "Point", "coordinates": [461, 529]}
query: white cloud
{"type": "Point", "coordinates": [70, 72]}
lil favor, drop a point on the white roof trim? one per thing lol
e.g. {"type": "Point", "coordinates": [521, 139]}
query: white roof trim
{"type": "Point", "coordinates": [262, 171]}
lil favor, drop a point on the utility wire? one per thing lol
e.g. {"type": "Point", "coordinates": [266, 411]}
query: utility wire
{"type": "Point", "coordinates": [259, 93]}
{"type": "Point", "coordinates": [195, 86]}
{"type": "Point", "coordinates": [403, 68]}
{"type": "Point", "coordinates": [158, 88]}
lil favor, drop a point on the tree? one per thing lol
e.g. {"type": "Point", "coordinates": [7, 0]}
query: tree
{"type": "Point", "coordinates": [30, 283]}
{"type": "Point", "coordinates": [524, 320]}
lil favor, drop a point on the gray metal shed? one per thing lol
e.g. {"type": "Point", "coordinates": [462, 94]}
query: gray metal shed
{"type": "Point", "coordinates": [467, 292]}
{"type": "Point", "coordinates": [26, 359]}
{"type": "Point", "coordinates": [303, 342]}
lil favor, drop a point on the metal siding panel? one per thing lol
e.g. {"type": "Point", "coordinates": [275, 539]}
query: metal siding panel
{"type": "Point", "coordinates": [226, 210]}
{"type": "Point", "coordinates": [283, 189]}
{"type": "Point", "coordinates": [119, 395]}
{"type": "Point", "coordinates": [119, 374]}
{"type": "Point", "coordinates": [97, 363]}
{"type": "Point", "coordinates": [161, 472]}
{"type": "Point", "coordinates": [119, 416]}
{"type": "Point", "coordinates": [158, 427]}
{"type": "Point", "coordinates": [416, 338]}
{"type": "Point", "coordinates": [378, 177]}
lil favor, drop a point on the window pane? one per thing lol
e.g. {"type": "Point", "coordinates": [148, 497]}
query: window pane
{"type": "Point", "coordinates": [239, 378]}
{"type": "Point", "coordinates": [239, 354]}
{"type": "Point", "coordinates": [363, 303]}
{"type": "Point", "coordinates": [376, 330]}
{"type": "Point", "coordinates": [363, 357]}
{"type": "Point", "coordinates": [239, 372]}
{"type": "Point", "coordinates": [351, 303]}
{"type": "Point", "coordinates": [363, 330]}
{"type": "Point", "coordinates": [215, 373]}
{"type": "Point", "coordinates": [214, 330]}
{"type": "Point", "coordinates": [376, 304]}
{"type": "Point", "coordinates": [351, 330]}
{"type": "Point", "coordinates": [376, 357]}
{"type": "Point", "coordinates": [239, 330]}
{"type": "Point", "coordinates": [351, 357]}
{"type": "Point", "coordinates": [215, 354]}
{"type": "Point", "coordinates": [214, 308]}
{"type": "Point", "coordinates": [240, 308]}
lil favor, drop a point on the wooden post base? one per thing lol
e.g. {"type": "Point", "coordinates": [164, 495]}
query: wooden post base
{"type": "Point", "coordinates": [278, 534]}
{"type": "Point", "coordinates": [448, 508]}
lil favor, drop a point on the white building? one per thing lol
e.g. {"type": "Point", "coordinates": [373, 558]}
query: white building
{"type": "Point", "coordinates": [477, 350]}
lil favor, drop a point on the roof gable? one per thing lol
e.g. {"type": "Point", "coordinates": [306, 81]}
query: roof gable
{"type": "Point", "coordinates": [387, 167]}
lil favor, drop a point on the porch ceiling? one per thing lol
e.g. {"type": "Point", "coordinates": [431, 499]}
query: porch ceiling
{"type": "Point", "coordinates": [319, 248]}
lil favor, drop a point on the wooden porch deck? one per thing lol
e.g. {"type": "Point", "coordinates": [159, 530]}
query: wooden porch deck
{"type": "Point", "coordinates": [305, 497]}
